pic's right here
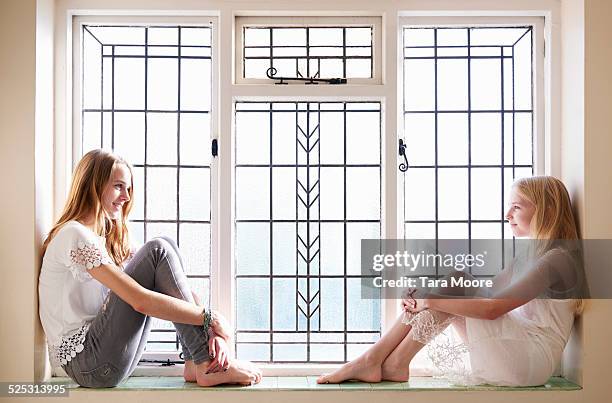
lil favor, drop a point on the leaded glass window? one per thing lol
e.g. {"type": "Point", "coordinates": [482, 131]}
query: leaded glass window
{"type": "Point", "coordinates": [468, 126]}
{"type": "Point", "coordinates": [146, 94]}
{"type": "Point", "coordinates": [308, 189]}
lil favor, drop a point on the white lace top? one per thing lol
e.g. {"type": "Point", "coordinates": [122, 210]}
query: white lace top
{"type": "Point", "coordinates": [69, 298]}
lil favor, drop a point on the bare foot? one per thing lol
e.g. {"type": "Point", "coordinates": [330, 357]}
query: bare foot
{"type": "Point", "coordinates": [395, 372]}
{"type": "Point", "coordinates": [189, 372]}
{"type": "Point", "coordinates": [239, 372]}
{"type": "Point", "coordinates": [361, 369]}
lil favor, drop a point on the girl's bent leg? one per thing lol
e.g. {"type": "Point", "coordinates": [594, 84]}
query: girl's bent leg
{"type": "Point", "coordinates": [368, 366]}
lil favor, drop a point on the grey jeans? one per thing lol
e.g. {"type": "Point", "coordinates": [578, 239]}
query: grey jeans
{"type": "Point", "coordinates": [118, 334]}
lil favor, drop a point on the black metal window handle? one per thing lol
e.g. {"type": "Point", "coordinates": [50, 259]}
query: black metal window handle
{"type": "Point", "coordinates": [402, 152]}
{"type": "Point", "coordinates": [271, 73]}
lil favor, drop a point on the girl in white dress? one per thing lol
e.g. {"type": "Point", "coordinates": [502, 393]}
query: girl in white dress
{"type": "Point", "coordinates": [516, 336]}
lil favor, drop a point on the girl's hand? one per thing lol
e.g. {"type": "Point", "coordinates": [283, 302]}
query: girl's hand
{"type": "Point", "coordinates": [220, 326]}
{"type": "Point", "coordinates": [219, 352]}
{"type": "Point", "coordinates": [414, 300]}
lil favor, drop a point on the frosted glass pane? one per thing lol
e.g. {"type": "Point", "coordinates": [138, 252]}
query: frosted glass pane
{"type": "Point", "coordinates": [253, 352]}
{"type": "Point", "coordinates": [452, 139]}
{"type": "Point", "coordinates": [359, 36]}
{"type": "Point", "coordinates": [452, 84]}
{"type": "Point", "coordinates": [115, 35]}
{"type": "Point", "coordinates": [508, 139]}
{"type": "Point", "coordinates": [309, 191]}
{"type": "Point", "coordinates": [363, 193]}
{"type": "Point", "coordinates": [92, 136]}
{"type": "Point", "coordinates": [92, 71]}
{"type": "Point", "coordinates": [283, 193]}
{"type": "Point", "coordinates": [332, 304]}
{"type": "Point", "coordinates": [358, 68]}
{"type": "Point", "coordinates": [192, 36]}
{"type": "Point", "coordinates": [136, 233]}
{"type": "Point", "coordinates": [162, 36]}
{"type": "Point", "coordinates": [418, 37]}
{"type": "Point", "coordinates": [486, 231]}
{"type": "Point", "coordinates": [253, 138]}
{"type": "Point", "coordinates": [332, 138]}
{"type": "Point", "coordinates": [419, 231]}
{"type": "Point", "coordinates": [485, 84]}
{"type": "Point", "coordinates": [451, 37]}
{"type": "Point", "coordinates": [327, 352]}
{"type": "Point", "coordinates": [285, 67]}
{"type": "Point", "coordinates": [253, 307]}
{"type": "Point", "coordinates": [364, 314]}
{"type": "Point", "coordinates": [419, 196]}
{"type": "Point", "coordinates": [355, 350]}
{"type": "Point", "coordinates": [495, 36]}
{"type": "Point", "coordinates": [284, 311]}
{"type": "Point", "coordinates": [194, 194]}
{"type": "Point", "coordinates": [156, 230]}
{"type": "Point", "coordinates": [256, 68]}
{"type": "Point", "coordinates": [289, 36]}
{"type": "Point", "coordinates": [252, 193]}
{"type": "Point", "coordinates": [355, 232]}
{"type": "Point", "coordinates": [129, 136]}
{"type": "Point", "coordinates": [161, 138]}
{"type": "Point", "coordinates": [452, 194]}
{"type": "Point", "coordinates": [332, 193]}
{"type": "Point", "coordinates": [252, 248]}
{"type": "Point", "coordinates": [332, 248]}
{"type": "Point", "coordinates": [201, 288]}
{"type": "Point", "coordinates": [195, 84]}
{"type": "Point", "coordinates": [486, 194]}
{"type": "Point", "coordinates": [325, 36]}
{"type": "Point", "coordinates": [129, 83]}
{"type": "Point", "coordinates": [162, 84]}
{"type": "Point", "coordinates": [107, 84]}
{"type": "Point", "coordinates": [452, 231]}
{"type": "Point", "coordinates": [419, 85]}
{"type": "Point", "coordinates": [522, 73]}
{"type": "Point", "coordinates": [419, 133]}
{"type": "Point", "coordinates": [508, 83]}
{"type": "Point", "coordinates": [486, 138]}
{"type": "Point", "coordinates": [137, 212]}
{"type": "Point", "coordinates": [289, 352]}
{"type": "Point", "coordinates": [331, 68]}
{"type": "Point", "coordinates": [256, 36]}
{"type": "Point", "coordinates": [284, 248]}
{"type": "Point", "coordinates": [363, 138]}
{"type": "Point", "coordinates": [195, 139]}
{"type": "Point", "coordinates": [195, 247]}
{"type": "Point", "coordinates": [161, 193]}
{"type": "Point", "coordinates": [523, 138]}
{"type": "Point", "coordinates": [283, 138]}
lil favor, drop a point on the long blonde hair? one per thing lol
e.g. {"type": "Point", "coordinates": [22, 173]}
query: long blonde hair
{"type": "Point", "coordinates": [90, 178]}
{"type": "Point", "coordinates": [553, 218]}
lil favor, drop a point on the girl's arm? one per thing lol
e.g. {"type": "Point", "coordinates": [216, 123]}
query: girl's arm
{"type": "Point", "coordinates": [145, 301]}
{"type": "Point", "coordinates": [540, 277]}
{"type": "Point", "coordinates": [479, 308]}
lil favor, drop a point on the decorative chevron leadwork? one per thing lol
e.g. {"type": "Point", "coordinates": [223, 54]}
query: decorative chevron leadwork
{"type": "Point", "coordinates": [308, 192]}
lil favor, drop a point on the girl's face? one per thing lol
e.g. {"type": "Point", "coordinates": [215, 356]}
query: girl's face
{"type": "Point", "coordinates": [116, 194]}
{"type": "Point", "coordinates": [519, 214]}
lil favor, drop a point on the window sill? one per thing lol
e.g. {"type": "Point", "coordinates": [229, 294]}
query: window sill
{"type": "Point", "coordinates": [308, 383]}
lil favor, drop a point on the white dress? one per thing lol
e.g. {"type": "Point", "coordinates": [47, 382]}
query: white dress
{"type": "Point", "coordinates": [520, 348]}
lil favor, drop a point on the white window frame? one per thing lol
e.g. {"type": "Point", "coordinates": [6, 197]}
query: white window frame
{"type": "Point", "coordinates": [226, 90]}
{"type": "Point", "coordinates": [308, 21]}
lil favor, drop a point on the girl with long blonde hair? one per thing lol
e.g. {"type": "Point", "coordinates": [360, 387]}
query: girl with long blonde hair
{"type": "Point", "coordinates": [514, 336]}
{"type": "Point", "coordinates": [97, 296]}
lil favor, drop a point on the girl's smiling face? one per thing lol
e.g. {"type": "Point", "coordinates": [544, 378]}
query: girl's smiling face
{"type": "Point", "coordinates": [519, 214]}
{"type": "Point", "coordinates": [117, 191]}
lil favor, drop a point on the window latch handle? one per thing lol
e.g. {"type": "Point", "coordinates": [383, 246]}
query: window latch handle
{"type": "Point", "coordinates": [402, 152]}
{"type": "Point", "coordinates": [214, 148]}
